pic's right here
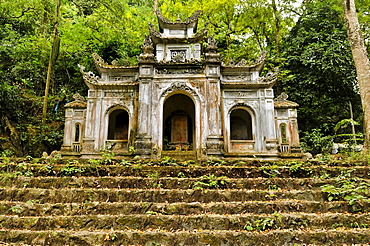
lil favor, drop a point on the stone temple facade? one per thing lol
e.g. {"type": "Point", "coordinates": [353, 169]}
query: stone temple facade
{"type": "Point", "coordinates": [181, 100]}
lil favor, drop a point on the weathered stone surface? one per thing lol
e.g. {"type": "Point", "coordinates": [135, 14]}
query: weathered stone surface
{"type": "Point", "coordinates": [257, 203]}
{"type": "Point", "coordinates": [198, 238]}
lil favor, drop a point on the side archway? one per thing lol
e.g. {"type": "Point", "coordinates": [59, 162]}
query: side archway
{"type": "Point", "coordinates": [240, 125]}
{"type": "Point", "coordinates": [118, 125]}
{"type": "Point", "coordinates": [241, 130]}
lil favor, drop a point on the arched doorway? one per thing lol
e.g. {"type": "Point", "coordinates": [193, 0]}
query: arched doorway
{"type": "Point", "coordinates": [178, 123]}
{"type": "Point", "coordinates": [240, 125]}
{"type": "Point", "coordinates": [241, 131]}
{"type": "Point", "coordinates": [118, 125]}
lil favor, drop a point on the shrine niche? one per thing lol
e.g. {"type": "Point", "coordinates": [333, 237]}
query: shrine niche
{"type": "Point", "coordinates": [181, 100]}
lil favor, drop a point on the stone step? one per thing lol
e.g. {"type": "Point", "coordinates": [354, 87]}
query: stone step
{"type": "Point", "coordinates": [33, 208]}
{"type": "Point", "coordinates": [250, 222]}
{"type": "Point", "coordinates": [178, 203]}
{"type": "Point", "coordinates": [155, 195]}
{"type": "Point", "coordinates": [167, 161]}
{"type": "Point", "coordinates": [166, 183]}
{"type": "Point", "coordinates": [188, 171]}
{"type": "Point", "coordinates": [196, 237]}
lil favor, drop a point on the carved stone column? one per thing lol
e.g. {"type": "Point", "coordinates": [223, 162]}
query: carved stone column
{"type": "Point", "coordinates": [214, 142]}
{"type": "Point", "coordinates": [143, 144]}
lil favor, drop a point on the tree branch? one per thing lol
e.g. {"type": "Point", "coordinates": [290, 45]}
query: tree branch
{"type": "Point", "coordinates": [22, 14]}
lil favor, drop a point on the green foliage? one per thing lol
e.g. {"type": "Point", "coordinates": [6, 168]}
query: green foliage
{"type": "Point", "coordinates": [348, 189]}
{"type": "Point", "coordinates": [115, 29]}
{"type": "Point", "coordinates": [271, 171]}
{"type": "Point", "coordinates": [316, 142]}
{"type": "Point", "coordinates": [318, 69]}
{"type": "Point", "coordinates": [155, 180]}
{"type": "Point", "coordinates": [6, 153]}
{"type": "Point", "coordinates": [210, 182]}
{"type": "Point", "coordinates": [107, 156]}
{"type": "Point", "coordinates": [132, 150]}
{"type": "Point", "coordinates": [344, 124]}
{"type": "Point", "coordinates": [242, 28]}
{"type": "Point", "coordinates": [264, 224]}
{"type": "Point", "coordinates": [215, 162]}
{"type": "Point", "coordinates": [168, 161]}
{"type": "Point", "coordinates": [16, 209]}
{"type": "Point", "coordinates": [71, 169]}
{"type": "Point", "coordinates": [23, 169]}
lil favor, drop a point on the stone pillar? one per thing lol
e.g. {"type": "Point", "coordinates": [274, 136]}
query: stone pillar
{"type": "Point", "coordinates": [68, 125]}
{"type": "Point", "coordinates": [293, 128]}
{"type": "Point", "coordinates": [214, 142]}
{"type": "Point", "coordinates": [89, 140]}
{"type": "Point", "coordinates": [268, 121]}
{"type": "Point", "coordinates": [143, 143]}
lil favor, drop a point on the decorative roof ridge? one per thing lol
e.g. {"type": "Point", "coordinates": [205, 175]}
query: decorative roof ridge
{"type": "Point", "coordinates": [243, 63]}
{"type": "Point", "coordinates": [191, 19]}
{"type": "Point", "coordinates": [202, 33]}
{"type": "Point", "coordinates": [157, 36]}
{"type": "Point", "coordinates": [282, 102]}
{"type": "Point", "coordinates": [89, 77]}
{"type": "Point", "coordinates": [99, 61]}
{"type": "Point", "coordinates": [79, 102]}
{"type": "Point", "coordinates": [268, 78]}
{"type": "Point", "coordinates": [153, 31]}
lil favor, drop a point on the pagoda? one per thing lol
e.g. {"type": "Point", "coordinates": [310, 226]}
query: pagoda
{"type": "Point", "coordinates": [181, 101]}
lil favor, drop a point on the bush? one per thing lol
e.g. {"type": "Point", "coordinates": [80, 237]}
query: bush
{"type": "Point", "coordinates": [316, 142]}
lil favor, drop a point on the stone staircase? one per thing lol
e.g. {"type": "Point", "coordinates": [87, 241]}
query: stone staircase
{"type": "Point", "coordinates": [168, 202]}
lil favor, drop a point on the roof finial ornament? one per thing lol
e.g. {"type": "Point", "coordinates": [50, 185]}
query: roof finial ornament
{"type": "Point", "coordinates": [211, 43]}
{"type": "Point", "coordinates": [282, 96]}
{"type": "Point", "coordinates": [79, 98]}
{"type": "Point", "coordinates": [211, 50]}
{"type": "Point", "coordinates": [178, 19]}
{"type": "Point", "coordinates": [148, 50]}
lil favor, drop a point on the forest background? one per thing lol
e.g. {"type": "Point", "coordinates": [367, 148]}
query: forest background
{"type": "Point", "coordinates": [306, 41]}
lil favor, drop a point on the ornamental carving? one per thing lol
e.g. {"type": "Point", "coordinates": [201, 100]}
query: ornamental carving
{"type": "Point", "coordinates": [179, 87]}
{"type": "Point", "coordinates": [191, 19]}
{"type": "Point", "coordinates": [211, 50]}
{"type": "Point", "coordinates": [148, 49]}
{"type": "Point", "coordinates": [242, 63]}
{"type": "Point", "coordinates": [89, 77]}
{"type": "Point", "coordinates": [261, 59]}
{"type": "Point", "coordinates": [79, 98]}
{"type": "Point", "coordinates": [241, 77]}
{"type": "Point", "coordinates": [117, 105]}
{"type": "Point", "coordinates": [98, 60]}
{"type": "Point", "coordinates": [269, 78]}
{"type": "Point", "coordinates": [211, 44]}
{"type": "Point", "coordinates": [179, 71]}
{"type": "Point", "coordinates": [244, 103]}
{"type": "Point", "coordinates": [177, 61]}
{"type": "Point", "coordinates": [281, 97]}
{"type": "Point", "coordinates": [214, 145]}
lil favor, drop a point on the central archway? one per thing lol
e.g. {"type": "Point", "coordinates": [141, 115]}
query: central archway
{"type": "Point", "coordinates": [178, 123]}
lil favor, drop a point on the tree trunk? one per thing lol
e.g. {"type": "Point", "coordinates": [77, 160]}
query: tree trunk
{"type": "Point", "coordinates": [362, 64]}
{"type": "Point", "coordinates": [50, 66]}
{"type": "Point", "coordinates": [277, 27]}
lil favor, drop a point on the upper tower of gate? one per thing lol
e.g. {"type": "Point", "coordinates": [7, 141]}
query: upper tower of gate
{"type": "Point", "coordinates": [177, 41]}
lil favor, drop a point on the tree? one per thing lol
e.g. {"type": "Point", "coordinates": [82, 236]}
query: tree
{"type": "Point", "coordinates": [362, 63]}
{"type": "Point", "coordinates": [242, 28]}
{"type": "Point", "coordinates": [319, 73]}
